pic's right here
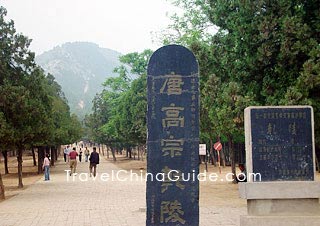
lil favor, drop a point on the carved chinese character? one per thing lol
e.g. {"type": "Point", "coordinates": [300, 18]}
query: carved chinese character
{"type": "Point", "coordinates": [171, 177]}
{"type": "Point", "coordinates": [271, 130]}
{"type": "Point", "coordinates": [172, 116]}
{"type": "Point", "coordinates": [171, 212]}
{"type": "Point", "coordinates": [173, 84]}
{"type": "Point", "coordinates": [293, 128]}
{"type": "Point", "coordinates": [172, 147]}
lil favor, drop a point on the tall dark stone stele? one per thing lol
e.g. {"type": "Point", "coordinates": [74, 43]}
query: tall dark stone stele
{"type": "Point", "coordinates": [173, 137]}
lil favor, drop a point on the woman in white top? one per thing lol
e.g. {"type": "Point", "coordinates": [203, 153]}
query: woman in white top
{"type": "Point", "coordinates": [46, 167]}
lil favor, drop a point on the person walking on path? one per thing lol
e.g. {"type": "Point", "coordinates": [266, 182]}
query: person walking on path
{"type": "Point", "coordinates": [80, 155]}
{"type": "Point", "coordinates": [46, 167]}
{"type": "Point", "coordinates": [94, 161]}
{"type": "Point", "coordinates": [86, 153]}
{"type": "Point", "coordinates": [66, 153]}
{"type": "Point", "coordinates": [73, 161]}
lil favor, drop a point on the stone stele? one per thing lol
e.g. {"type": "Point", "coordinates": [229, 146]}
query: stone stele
{"type": "Point", "coordinates": [280, 142]}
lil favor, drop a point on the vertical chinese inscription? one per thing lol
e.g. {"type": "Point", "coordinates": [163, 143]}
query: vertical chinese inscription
{"type": "Point", "coordinates": [282, 143]}
{"type": "Point", "coordinates": [173, 137]}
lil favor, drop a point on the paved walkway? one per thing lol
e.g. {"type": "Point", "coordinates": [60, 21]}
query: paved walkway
{"type": "Point", "coordinates": [115, 203]}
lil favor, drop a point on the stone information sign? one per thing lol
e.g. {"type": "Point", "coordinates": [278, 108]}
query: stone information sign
{"type": "Point", "coordinates": [173, 137]}
{"type": "Point", "coordinates": [281, 143]}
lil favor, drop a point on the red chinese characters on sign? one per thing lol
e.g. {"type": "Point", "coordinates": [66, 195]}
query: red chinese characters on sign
{"type": "Point", "coordinates": [217, 146]}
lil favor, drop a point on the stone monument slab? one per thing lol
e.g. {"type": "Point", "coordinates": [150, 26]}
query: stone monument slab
{"type": "Point", "coordinates": [280, 143]}
{"type": "Point", "coordinates": [280, 149]}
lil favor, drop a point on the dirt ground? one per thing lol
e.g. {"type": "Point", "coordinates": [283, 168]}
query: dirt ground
{"type": "Point", "coordinates": [30, 175]}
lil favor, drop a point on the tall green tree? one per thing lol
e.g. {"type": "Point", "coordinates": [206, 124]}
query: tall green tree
{"type": "Point", "coordinates": [119, 112]}
{"type": "Point", "coordinates": [269, 49]}
{"type": "Point", "coordinates": [133, 103]}
{"type": "Point", "coordinates": [273, 48]}
{"type": "Point", "coordinates": [16, 64]}
{"type": "Point", "coordinates": [26, 97]}
{"type": "Point", "coordinates": [4, 132]}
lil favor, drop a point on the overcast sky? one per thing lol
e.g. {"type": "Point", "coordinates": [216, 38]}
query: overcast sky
{"type": "Point", "coordinates": [121, 25]}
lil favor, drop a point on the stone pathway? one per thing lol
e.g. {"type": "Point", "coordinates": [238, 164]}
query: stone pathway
{"type": "Point", "coordinates": [79, 202]}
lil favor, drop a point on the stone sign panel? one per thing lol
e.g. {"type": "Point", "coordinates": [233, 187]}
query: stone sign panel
{"type": "Point", "coordinates": [280, 143]}
{"type": "Point", "coordinates": [173, 137]}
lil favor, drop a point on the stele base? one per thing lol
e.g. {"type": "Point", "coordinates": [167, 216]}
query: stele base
{"type": "Point", "coordinates": [281, 203]}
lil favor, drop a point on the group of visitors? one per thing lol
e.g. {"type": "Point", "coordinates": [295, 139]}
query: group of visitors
{"type": "Point", "coordinates": [68, 150]}
{"type": "Point", "coordinates": [70, 156]}
{"type": "Point", "coordinates": [94, 160]}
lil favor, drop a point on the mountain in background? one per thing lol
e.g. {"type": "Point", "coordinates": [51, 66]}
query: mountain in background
{"type": "Point", "coordinates": [80, 68]}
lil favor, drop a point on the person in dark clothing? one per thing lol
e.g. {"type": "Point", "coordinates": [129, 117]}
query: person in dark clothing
{"type": "Point", "coordinates": [80, 155]}
{"type": "Point", "coordinates": [94, 161]}
{"type": "Point", "coordinates": [242, 177]}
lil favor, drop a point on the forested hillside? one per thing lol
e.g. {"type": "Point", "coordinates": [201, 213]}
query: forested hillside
{"type": "Point", "coordinates": [80, 68]}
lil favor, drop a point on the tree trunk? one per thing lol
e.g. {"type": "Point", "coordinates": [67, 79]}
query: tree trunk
{"type": "Point", "coordinates": [108, 152]}
{"type": "Point", "coordinates": [102, 150]}
{"type": "Point", "coordinates": [113, 154]}
{"type": "Point", "coordinates": [53, 155]}
{"type": "Point", "coordinates": [5, 156]}
{"type": "Point", "coordinates": [134, 152]}
{"type": "Point", "coordinates": [40, 158]}
{"type": "Point", "coordinates": [2, 196]}
{"type": "Point", "coordinates": [19, 158]}
{"type": "Point", "coordinates": [142, 152]}
{"type": "Point", "coordinates": [232, 156]}
{"type": "Point", "coordinates": [129, 152]}
{"type": "Point", "coordinates": [34, 157]}
{"type": "Point", "coordinates": [223, 156]}
{"type": "Point", "coordinates": [145, 151]}
{"type": "Point", "coordinates": [213, 162]}
{"type": "Point", "coordinates": [56, 154]}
